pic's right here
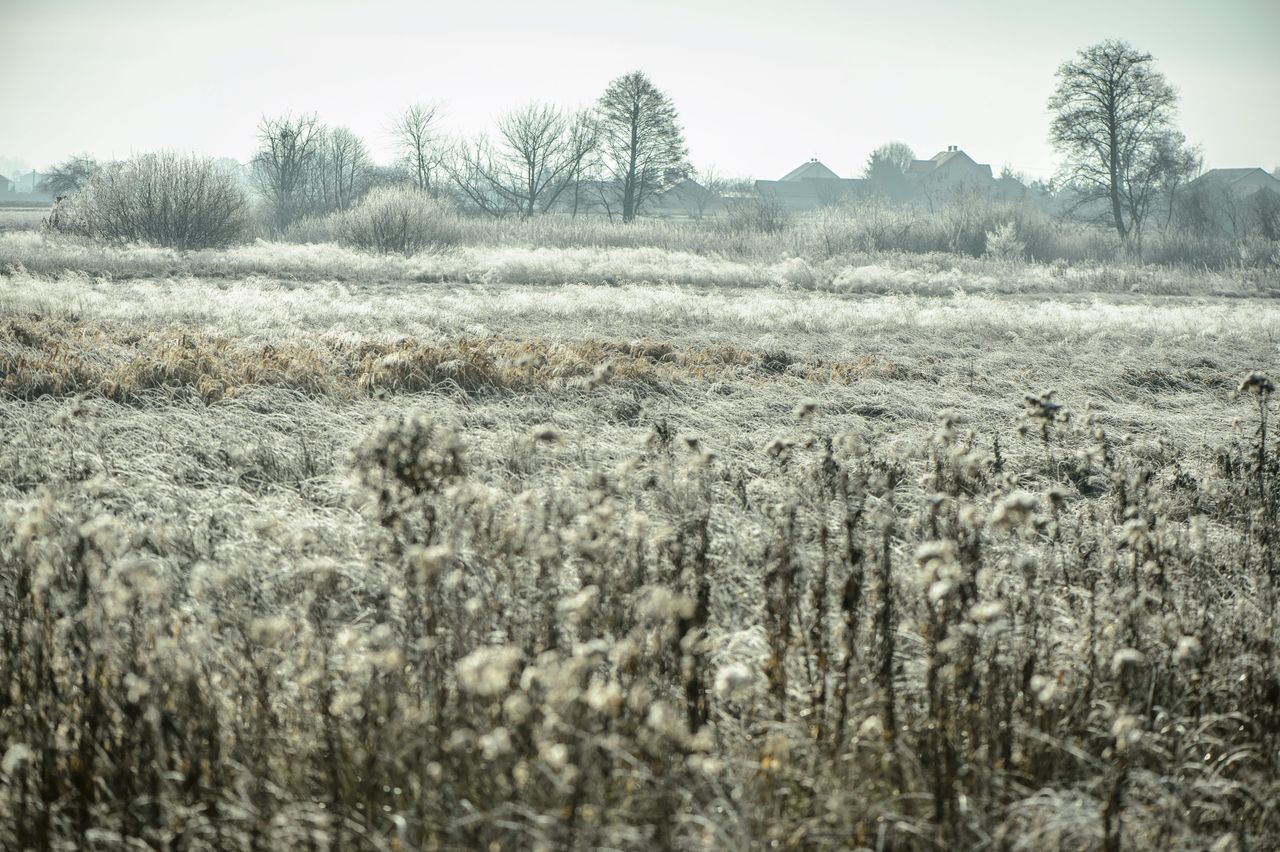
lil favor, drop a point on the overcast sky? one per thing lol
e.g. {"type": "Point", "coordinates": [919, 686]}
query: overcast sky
{"type": "Point", "coordinates": [760, 86]}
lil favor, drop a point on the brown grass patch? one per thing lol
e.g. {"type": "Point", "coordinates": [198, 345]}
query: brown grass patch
{"type": "Point", "coordinates": [42, 356]}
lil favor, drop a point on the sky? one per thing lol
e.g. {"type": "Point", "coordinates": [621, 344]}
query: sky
{"type": "Point", "coordinates": [760, 86]}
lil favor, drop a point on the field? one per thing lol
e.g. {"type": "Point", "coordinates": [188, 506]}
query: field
{"type": "Point", "coordinates": [18, 218]}
{"type": "Point", "coordinates": [634, 548]}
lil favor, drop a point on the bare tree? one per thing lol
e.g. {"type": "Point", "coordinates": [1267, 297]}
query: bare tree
{"type": "Point", "coordinates": [1175, 163]}
{"type": "Point", "coordinates": [534, 160]}
{"type": "Point", "coordinates": [642, 145]}
{"type": "Point", "coordinates": [895, 156]}
{"type": "Point", "coordinates": [340, 171]}
{"type": "Point", "coordinates": [708, 190]}
{"type": "Point", "coordinates": [285, 163]}
{"type": "Point", "coordinates": [538, 154]}
{"type": "Point", "coordinates": [416, 132]}
{"type": "Point", "coordinates": [582, 146]}
{"type": "Point", "coordinates": [69, 176]}
{"type": "Point", "coordinates": [473, 167]}
{"type": "Point", "coordinates": [1111, 110]}
{"type": "Point", "coordinates": [886, 171]}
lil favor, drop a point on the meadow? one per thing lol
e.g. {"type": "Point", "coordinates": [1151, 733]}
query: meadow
{"type": "Point", "coordinates": [14, 217]}
{"type": "Point", "coordinates": [515, 546]}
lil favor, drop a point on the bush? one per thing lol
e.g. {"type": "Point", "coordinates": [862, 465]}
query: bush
{"type": "Point", "coordinates": [389, 220]}
{"type": "Point", "coordinates": [1003, 243]}
{"type": "Point", "coordinates": [765, 214]}
{"type": "Point", "coordinates": [172, 200]}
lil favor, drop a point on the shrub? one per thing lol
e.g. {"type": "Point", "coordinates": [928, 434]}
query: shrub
{"type": "Point", "coordinates": [1003, 243]}
{"type": "Point", "coordinates": [765, 214]}
{"type": "Point", "coordinates": [172, 200]}
{"type": "Point", "coordinates": [398, 220]}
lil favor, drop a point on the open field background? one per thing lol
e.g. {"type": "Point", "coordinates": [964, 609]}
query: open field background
{"type": "Point", "coordinates": [630, 548]}
{"type": "Point", "coordinates": [15, 218]}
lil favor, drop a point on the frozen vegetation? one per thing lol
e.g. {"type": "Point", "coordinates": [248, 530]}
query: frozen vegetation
{"type": "Point", "coordinates": [634, 547]}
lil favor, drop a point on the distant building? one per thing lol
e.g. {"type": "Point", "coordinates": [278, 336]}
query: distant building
{"type": "Point", "coordinates": [27, 187]}
{"type": "Point", "coordinates": [1240, 183]}
{"type": "Point", "coordinates": [1235, 202]}
{"type": "Point", "coordinates": [934, 183]}
{"type": "Point", "coordinates": [27, 182]}
{"type": "Point", "coordinates": [809, 186]}
{"type": "Point", "coordinates": [6, 185]}
{"type": "Point", "coordinates": [952, 173]}
{"type": "Point", "coordinates": [951, 168]}
{"type": "Point", "coordinates": [685, 198]}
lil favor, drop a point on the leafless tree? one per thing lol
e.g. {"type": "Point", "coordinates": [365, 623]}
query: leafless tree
{"type": "Point", "coordinates": [582, 148]}
{"type": "Point", "coordinates": [340, 173]}
{"type": "Point", "coordinates": [534, 161]}
{"type": "Point", "coordinates": [1111, 109]}
{"type": "Point", "coordinates": [471, 168]}
{"type": "Point", "coordinates": [1175, 163]}
{"type": "Point", "coordinates": [285, 163]}
{"type": "Point", "coordinates": [537, 155]}
{"type": "Point", "coordinates": [422, 148]}
{"type": "Point", "coordinates": [642, 144]}
{"type": "Point", "coordinates": [69, 176]}
{"type": "Point", "coordinates": [708, 190]}
{"type": "Point", "coordinates": [1264, 209]}
{"type": "Point", "coordinates": [896, 156]}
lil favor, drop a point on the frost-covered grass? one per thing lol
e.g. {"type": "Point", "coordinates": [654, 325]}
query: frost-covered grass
{"type": "Point", "coordinates": [363, 562]}
{"type": "Point", "coordinates": [14, 218]}
{"type": "Point", "coordinates": [44, 256]}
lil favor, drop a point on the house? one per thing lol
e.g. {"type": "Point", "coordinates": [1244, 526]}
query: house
{"type": "Point", "coordinates": [6, 185]}
{"type": "Point", "coordinates": [685, 198]}
{"type": "Point", "coordinates": [27, 182]}
{"type": "Point", "coordinates": [30, 184]}
{"type": "Point", "coordinates": [1235, 202]}
{"type": "Point", "coordinates": [950, 173]}
{"type": "Point", "coordinates": [951, 167]}
{"type": "Point", "coordinates": [1240, 183]}
{"type": "Point", "coordinates": [809, 186]}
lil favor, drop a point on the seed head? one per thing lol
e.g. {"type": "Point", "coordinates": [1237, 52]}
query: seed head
{"type": "Point", "coordinates": [1258, 383]}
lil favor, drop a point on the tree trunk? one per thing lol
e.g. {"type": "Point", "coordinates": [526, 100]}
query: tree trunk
{"type": "Point", "coordinates": [629, 186]}
{"type": "Point", "coordinates": [1113, 155]}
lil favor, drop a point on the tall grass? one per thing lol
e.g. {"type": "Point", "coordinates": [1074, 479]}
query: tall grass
{"type": "Point", "coordinates": [25, 254]}
{"type": "Point", "coordinates": [631, 567]}
{"type": "Point", "coordinates": [1063, 645]}
{"type": "Point", "coordinates": [396, 220]}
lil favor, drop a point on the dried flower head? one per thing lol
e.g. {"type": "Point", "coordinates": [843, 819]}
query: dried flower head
{"type": "Point", "coordinates": [1258, 383]}
{"type": "Point", "coordinates": [488, 670]}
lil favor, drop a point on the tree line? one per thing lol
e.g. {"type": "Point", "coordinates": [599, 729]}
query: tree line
{"type": "Point", "coordinates": [621, 152]}
{"type": "Point", "coordinates": [1123, 158]}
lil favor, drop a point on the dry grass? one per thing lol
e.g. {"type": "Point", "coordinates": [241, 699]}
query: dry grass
{"type": "Point", "coordinates": [768, 266]}
{"type": "Point", "coordinates": [335, 566]}
{"type": "Point", "coordinates": [14, 218]}
{"type": "Point", "coordinates": [40, 357]}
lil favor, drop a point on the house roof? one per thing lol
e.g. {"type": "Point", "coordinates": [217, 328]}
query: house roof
{"type": "Point", "coordinates": [937, 161]}
{"type": "Point", "coordinates": [1232, 177]}
{"type": "Point", "coordinates": [812, 170]}
{"type": "Point", "coordinates": [809, 187]}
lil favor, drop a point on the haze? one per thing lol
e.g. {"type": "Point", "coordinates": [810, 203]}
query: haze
{"type": "Point", "coordinates": [760, 86]}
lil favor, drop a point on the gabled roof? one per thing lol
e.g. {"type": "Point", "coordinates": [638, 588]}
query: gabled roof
{"type": "Point", "coordinates": [938, 160]}
{"type": "Point", "coordinates": [812, 170]}
{"type": "Point", "coordinates": [1230, 175]}
{"type": "Point", "coordinates": [809, 188]}
{"type": "Point", "coordinates": [1231, 178]}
